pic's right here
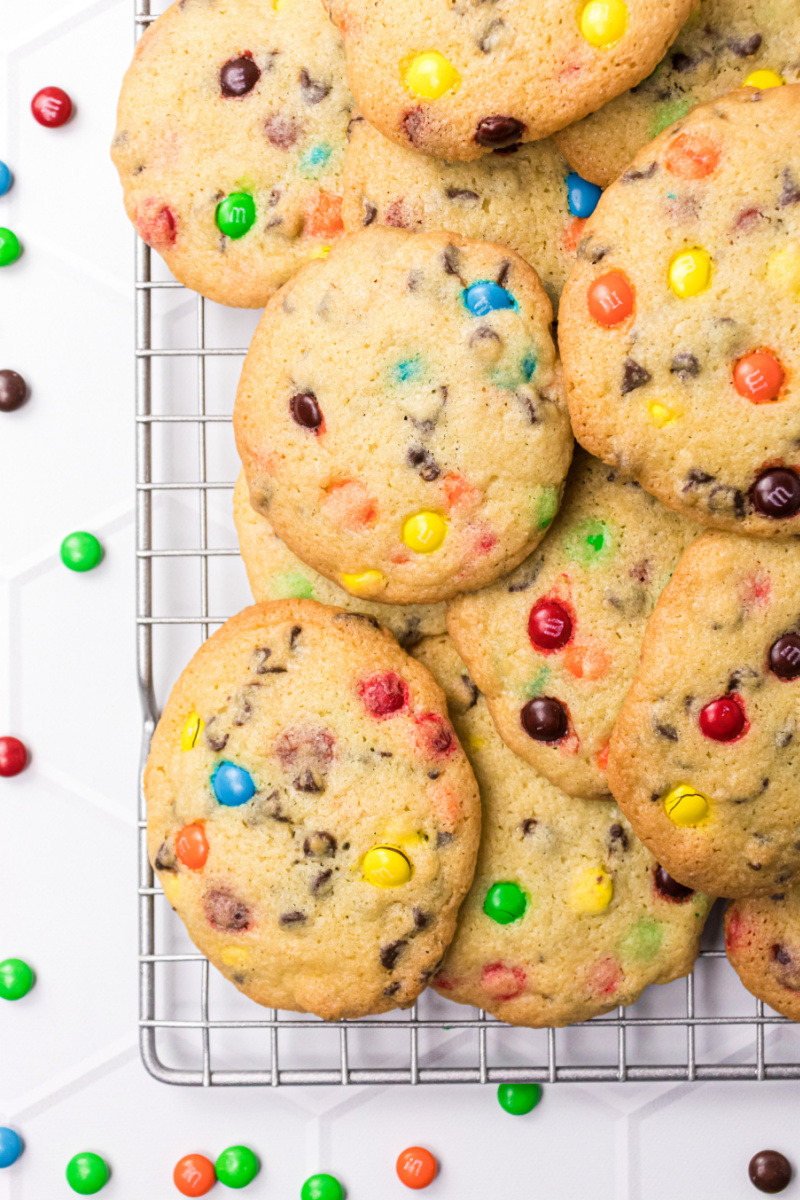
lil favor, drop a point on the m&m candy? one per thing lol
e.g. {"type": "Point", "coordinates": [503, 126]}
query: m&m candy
{"type": "Point", "coordinates": [592, 891]}
{"type": "Point", "coordinates": [505, 902]}
{"type": "Point", "coordinates": [236, 214]}
{"type": "Point", "coordinates": [784, 657]}
{"type": "Point", "coordinates": [232, 785]}
{"type": "Point", "coordinates": [582, 195]}
{"type": "Point", "coordinates": [6, 178]}
{"type": "Point", "coordinates": [386, 867]}
{"type": "Point", "coordinates": [488, 296]}
{"type": "Point", "coordinates": [364, 583]}
{"type": "Point", "coordinates": [722, 720]}
{"type": "Point", "coordinates": [16, 979]}
{"type": "Point", "coordinates": [430, 75]}
{"type": "Point", "coordinates": [51, 107]}
{"type": "Point", "coordinates": [237, 1166]}
{"type": "Point", "coordinates": [549, 625]}
{"type": "Point", "coordinates": [690, 272]}
{"type": "Point", "coordinates": [416, 1167]}
{"type": "Point", "coordinates": [10, 247]}
{"type": "Point", "coordinates": [13, 391]}
{"type": "Point", "coordinates": [191, 846]}
{"type": "Point", "coordinates": [685, 806]}
{"type": "Point", "coordinates": [770, 1171]}
{"type": "Point", "coordinates": [610, 299]}
{"type": "Point", "coordinates": [81, 551]}
{"type": "Point", "coordinates": [603, 22]}
{"type": "Point", "coordinates": [10, 1146]}
{"type": "Point", "coordinates": [759, 377]}
{"type": "Point", "coordinates": [13, 757]}
{"type": "Point", "coordinates": [87, 1173]}
{"type": "Point", "coordinates": [545, 719]}
{"type": "Point", "coordinates": [764, 79]}
{"type": "Point", "coordinates": [191, 731]}
{"type": "Point", "coordinates": [322, 1187]}
{"type": "Point", "coordinates": [194, 1175]}
{"type": "Point", "coordinates": [424, 532]}
{"type": "Point", "coordinates": [519, 1098]}
{"type": "Point", "coordinates": [776, 493]}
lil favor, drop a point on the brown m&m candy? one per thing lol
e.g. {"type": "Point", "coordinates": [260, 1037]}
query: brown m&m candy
{"type": "Point", "coordinates": [784, 656]}
{"type": "Point", "coordinates": [770, 1171]}
{"type": "Point", "coordinates": [669, 888]}
{"type": "Point", "coordinates": [776, 493]}
{"type": "Point", "coordinates": [499, 132]}
{"type": "Point", "coordinates": [305, 410]}
{"type": "Point", "coordinates": [13, 391]}
{"type": "Point", "coordinates": [545, 719]}
{"type": "Point", "coordinates": [238, 76]}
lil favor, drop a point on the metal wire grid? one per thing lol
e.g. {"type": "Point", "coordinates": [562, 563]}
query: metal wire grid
{"type": "Point", "coordinates": [436, 1041]}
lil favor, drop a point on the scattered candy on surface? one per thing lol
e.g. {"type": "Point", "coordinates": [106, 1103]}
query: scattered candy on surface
{"type": "Point", "coordinates": [690, 272]}
{"type": "Point", "coordinates": [776, 493]}
{"type": "Point", "coordinates": [13, 391]}
{"type": "Point", "coordinates": [191, 846]}
{"type": "Point", "coordinates": [723, 720]}
{"type": "Point", "coordinates": [430, 75]}
{"type": "Point", "coordinates": [237, 1166]}
{"type": "Point", "coordinates": [669, 888]}
{"type": "Point", "coordinates": [87, 1173]}
{"type": "Point", "coordinates": [764, 79]}
{"type": "Point", "coordinates": [10, 1146]}
{"type": "Point", "coordinates": [759, 377]}
{"type": "Point", "coordinates": [603, 22]}
{"type": "Point", "coordinates": [6, 178]}
{"type": "Point", "coordinates": [232, 785]}
{"type": "Point", "coordinates": [487, 296]}
{"type": "Point", "coordinates": [194, 1175]}
{"type": "Point", "coordinates": [238, 76]}
{"type": "Point", "coordinates": [770, 1171]}
{"type": "Point", "coordinates": [51, 107]}
{"type": "Point", "coordinates": [425, 531]}
{"type": "Point", "coordinates": [191, 731]}
{"type": "Point", "coordinates": [13, 757]}
{"type": "Point", "coordinates": [416, 1167]}
{"type": "Point", "coordinates": [16, 979]}
{"type": "Point", "coordinates": [784, 657]}
{"type": "Point", "coordinates": [322, 1187]}
{"type": "Point", "coordinates": [592, 891]}
{"type": "Point", "coordinates": [365, 583]}
{"type": "Point", "coordinates": [685, 806]}
{"type": "Point", "coordinates": [582, 195]}
{"type": "Point", "coordinates": [545, 719]}
{"type": "Point", "coordinates": [305, 410]}
{"type": "Point", "coordinates": [236, 214]}
{"type": "Point", "coordinates": [386, 867]}
{"type": "Point", "coordinates": [519, 1098]}
{"type": "Point", "coordinates": [81, 551]}
{"type": "Point", "coordinates": [505, 902]}
{"type": "Point", "coordinates": [549, 625]}
{"type": "Point", "coordinates": [10, 247]}
{"type": "Point", "coordinates": [610, 299]}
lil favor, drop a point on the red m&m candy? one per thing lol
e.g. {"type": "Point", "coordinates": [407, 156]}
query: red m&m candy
{"type": "Point", "coordinates": [13, 756]}
{"type": "Point", "coordinates": [194, 1175]}
{"type": "Point", "coordinates": [416, 1167]}
{"type": "Point", "coordinates": [549, 625]}
{"type": "Point", "coordinates": [723, 720]}
{"type": "Point", "coordinates": [759, 377]}
{"type": "Point", "coordinates": [610, 299]}
{"type": "Point", "coordinates": [51, 107]}
{"type": "Point", "coordinates": [191, 846]}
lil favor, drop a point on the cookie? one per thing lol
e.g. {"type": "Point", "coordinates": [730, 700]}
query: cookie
{"type": "Point", "coordinates": [555, 645]}
{"type": "Point", "coordinates": [457, 79]}
{"type": "Point", "coordinates": [703, 757]}
{"type": "Point", "coordinates": [569, 915]}
{"type": "Point", "coordinates": [277, 574]}
{"type": "Point", "coordinates": [521, 200]}
{"type": "Point", "coordinates": [762, 941]}
{"type": "Point", "coordinates": [400, 416]}
{"type": "Point", "coordinates": [231, 133]}
{"type": "Point", "coordinates": [723, 45]}
{"type": "Point", "coordinates": [312, 817]}
{"type": "Point", "coordinates": [678, 325]}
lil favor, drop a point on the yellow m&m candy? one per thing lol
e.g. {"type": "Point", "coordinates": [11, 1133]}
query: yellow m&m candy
{"type": "Point", "coordinates": [783, 269]}
{"type": "Point", "coordinates": [684, 805]}
{"type": "Point", "coordinates": [603, 22]}
{"type": "Point", "coordinates": [430, 75]}
{"type": "Point", "coordinates": [191, 731]}
{"type": "Point", "coordinates": [690, 272]}
{"type": "Point", "coordinates": [366, 583]}
{"type": "Point", "coordinates": [425, 531]}
{"type": "Point", "coordinates": [660, 415]}
{"type": "Point", "coordinates": [592, 891]}
{"type": "Point", "coordinates": [386, 867]}
{"type": "Point", "coordinates": [235, 956]}
{"type": "Point", "coordinates": [764, 80]}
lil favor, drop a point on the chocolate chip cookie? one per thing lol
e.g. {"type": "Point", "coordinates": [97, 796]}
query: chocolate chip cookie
{"type": "Point", "coordinates": [762, 941]}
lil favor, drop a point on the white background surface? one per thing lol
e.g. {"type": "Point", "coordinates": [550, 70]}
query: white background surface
{"type": "Point", "coordinates": [70, 1076]}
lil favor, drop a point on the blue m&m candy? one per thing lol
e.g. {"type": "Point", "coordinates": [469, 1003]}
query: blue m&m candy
{"type": "Point", "coordinates": [583, 196]}
{"type": "Point", "coordinates": [483, 298]}
{"type": "Point", "coordinates": [232, 785]}
{"type": "Point", "coordinates": [10, 1146]}
{"type": "Point", "coordinates": [6, 179]}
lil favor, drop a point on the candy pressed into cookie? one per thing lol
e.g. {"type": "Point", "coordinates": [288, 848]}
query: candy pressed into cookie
{"type": "Point", "coordinates": [528, 200]}
{"type": "Point", "coordinates": [277, 574]}
{"type": "Point", "coordinates": [725, 44]}
{"type": "Point", "coordinates": [312, 817]}
{"type": "Point", "coordinates": [400, 415]}
{"type": "Point", "coordinates": [569, 915]}
{"type": "Point", "coordinates": [231, 133]}
{"type": "Point", "coordinates": [762, 941]}
{"type": "Point", "coordinates": [555, 645]}
{"type": "Point", "coordinates": [678, 325]}
{"type": "Point", "coordinates": [458, 80]}
{"type": "Point", "coordinates": [703, 757]}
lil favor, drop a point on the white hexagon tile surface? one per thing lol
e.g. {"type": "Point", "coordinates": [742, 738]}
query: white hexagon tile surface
{"type": "Point", "coordinates": [70, 1074]}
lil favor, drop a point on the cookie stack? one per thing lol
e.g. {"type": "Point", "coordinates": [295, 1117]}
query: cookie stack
{"type": "Point", "coordinates": [457, 622]}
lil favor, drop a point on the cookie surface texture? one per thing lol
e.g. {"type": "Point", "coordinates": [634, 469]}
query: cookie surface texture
{"type": "Point", "coordinates": [311, 816]}
{"type": "Point", "coordinates": [569, 915]}
{"type": "Point", "coordinates": [722, 45]}
{"type": "Point", "coordinates": [678, 326]}
{"type": "Point", "coordinates": [400, 416]}
{"type": "Point", "coordinates": [458, 80]}
{"type": "Point", "coordinates": [554, 646]}
{"type": "Point", "coordinates": [703, 757]}
{"type": "Point", "coordinates": [230, 142]}
{"type": "Point", "coordinates": [277, 574]}
{"type": "Point", "coordinates": [762, 941]}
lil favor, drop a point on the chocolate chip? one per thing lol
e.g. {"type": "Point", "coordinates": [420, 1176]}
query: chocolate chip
{"type": "Point", "coordinates": [528, 825]}
{"type": "Point", "coordinates": [238, 76]}
{"type": "Point", "coordinates": [165, 858]}
{"type": "Point", "coordinates": [634, 174]}
{"type": "Point", "coordinates": [322, 884]}
{"type": "Point", "coordinates": [454, 193]}
{"type": "Point", "coordinates": [390, 954]}
{"type": "Point", "coordinates": [499, 131]}
{"type": "Point", "coordinates": [666, 731]}
{"type": "Point", "coordinates": [444, 839]}
{"type": "Point", "coordinates": [634, 376]}
{"type": "Point", "coordinates": [697, 478]}
{"type": "Point", "coordinates": [215, 739]}
{"type": "Point", "coordinates": [452, 261]}
{"type": "Point", "coordinates": [784, 656]}
{"type": "Point", "coordinates": [791, 191]}
{"type": "Point", "coordinates": [471, 688]}
{"type": "Point", "coordinates": [308, 782]}
{"type": "Point", "coordinates": [491, 35]}
{"type": "Point", "coordinates": [320, 844]}
{"type": "Point", "coordinates": [352, 616]}
{"type": "Point", "coordinates": [783, 738]}
{"type": "Point", "coordinates": [421, 919]}
{"type": "Point", "coordinates": [434, 774]}
{"type": "Point", "coordinates": [225, 911]}
{"type": "Point", "coordinates": [414, 125]}
{"type": "Point", "coordinates": [370, 213]}
{"type": "Point", "coordinates": [392, 989]}
{"type": "Point", "coordinates": [776, 493]}
{"type": "Point", "coordinates": [292, 918]}
{"type": "Point", "coordinates": [683, 62]}
{"type": "Point", "coordinates": [770, 1171]}
{"type": "Point", "coordinates": [778, 896]}
{"type": "Point", "coordinates": [617, 839]}
{"type": "Point", "coordinates": [305, 410]}
{"type": "Point", "coordinates": [503, 273]}
{"type": "Point", "coordinates": [545, 719]}
{"type": "Point", "coordinates": [669, 888]}
{"type": "Point", "coordinates": [641, 571]}
{"type": "Point", "coordinates": [424, 461]}
{"type": "Point", "coordinates": [526, 575]}
{"type": "Point", "coordinates": [746, 47]}
{"type": "Point", "coordinates": [282, 131]}
{"type": "Point", "coordinates": [313, 91]}
{"type": "Point", "coordinates": [13, 391]}
{"type": "Point", "coordinates": [590, 252]}
{"type": "Point", "coordinates": [685, 366]}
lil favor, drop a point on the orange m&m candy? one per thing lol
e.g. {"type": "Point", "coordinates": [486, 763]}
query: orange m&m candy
{"type": "Point", "coordinates": [759, 377]}
{"type": "Point", "coordinates": [692, 156]}
{"type": "Point", "coordinates": [194, 1175]}
{"type": "Point", "coordinates": [416, 1167]}
{"type": "Point", "coordinates": [610, 299]}
{"type": "Point", "coordinates": [191, 846]}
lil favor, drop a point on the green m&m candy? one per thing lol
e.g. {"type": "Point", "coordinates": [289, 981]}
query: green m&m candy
{"type": "Point", "coordinates": [10, 249]}
{"type": "Point", "coordinates": [87, 1173]}
{"type": "Point", "coordinates": [519, 1098]}
{"type": "Point", "coordinates": [81, 551]}
{"type": "Point", "coordinates": [236, 214]}
{"type": "Point", "coordinates": [236, 1167]}
{"type": "Point", "coordinates": [16, 979]}
{"type": "Point", "coordinates": [322, 1187]}
{"type": "Point", "coordinates": [505, 902]}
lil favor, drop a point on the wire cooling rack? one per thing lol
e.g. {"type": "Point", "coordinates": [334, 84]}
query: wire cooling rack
{"type": "Point", "coordinates": [195, 1028]}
